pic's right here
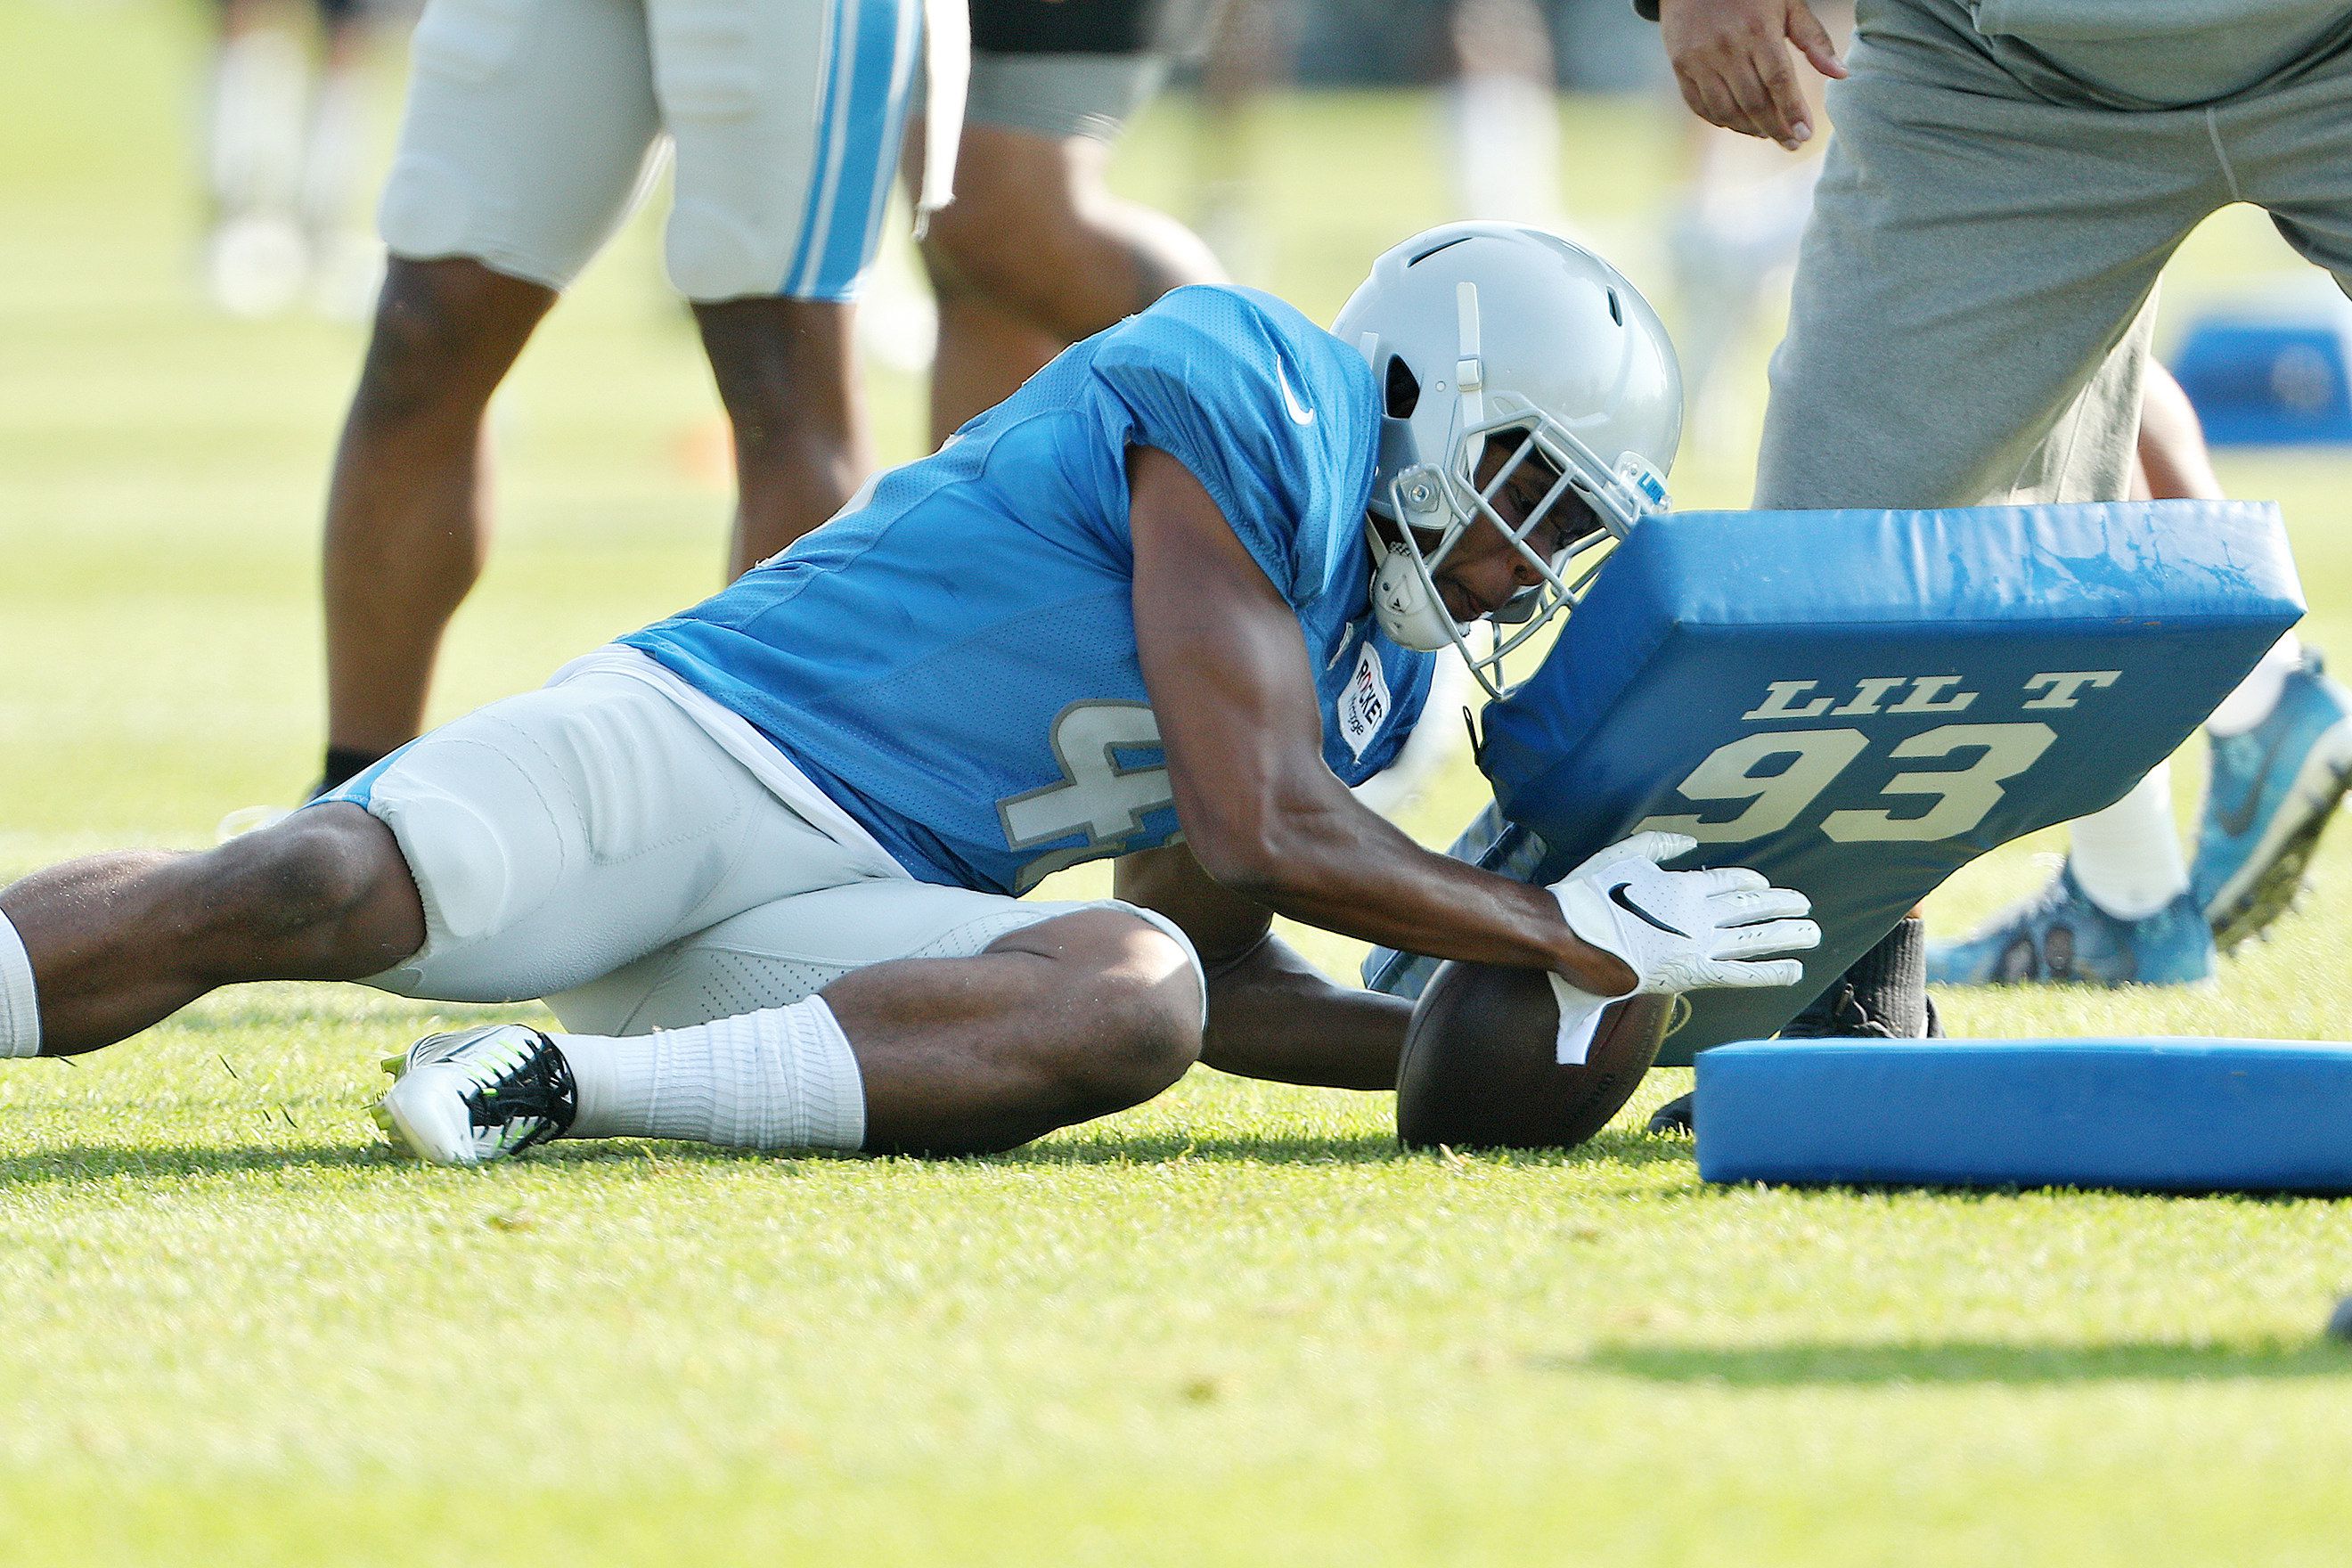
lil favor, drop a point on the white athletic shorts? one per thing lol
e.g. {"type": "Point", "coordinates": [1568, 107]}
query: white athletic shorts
{"type": "Point", "coordinates": [534, 126]}
{"type": "Point", "coordinates": [639, 855]}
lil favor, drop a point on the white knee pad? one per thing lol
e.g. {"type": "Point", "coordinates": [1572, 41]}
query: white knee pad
{"type": "Point", "coordinates": [716, 60]}
{"type": "Point", "coordinates": [732, 180]}
{"type": "Point", "coordinates": [558, 835]}
{"type": "Point", "coordinates": [464, 858]}
{"type": "Point", "coordinates": [786, 120]}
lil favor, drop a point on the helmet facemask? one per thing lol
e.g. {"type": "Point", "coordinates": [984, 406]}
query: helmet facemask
{"type": "Point", "coordinates": [1450, 500]}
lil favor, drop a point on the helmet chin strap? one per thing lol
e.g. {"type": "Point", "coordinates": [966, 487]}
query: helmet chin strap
{"type": "Point", "coordinates": [1402, 601]}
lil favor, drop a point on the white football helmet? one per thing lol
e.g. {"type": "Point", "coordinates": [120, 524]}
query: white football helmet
{"type": "Point", "coordinates": [1483, 328]}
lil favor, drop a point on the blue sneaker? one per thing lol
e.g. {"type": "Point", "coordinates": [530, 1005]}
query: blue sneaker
{"type": "Point", "coordinates": [2272, 791]}
{"type": "Point", "coordinates": [2060, 937]}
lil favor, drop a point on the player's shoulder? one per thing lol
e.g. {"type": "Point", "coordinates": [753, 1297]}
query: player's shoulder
{"type": "Point", "coordinates": [1232, 307]}
{"type": "Point", "coordinates": [1252, 337]}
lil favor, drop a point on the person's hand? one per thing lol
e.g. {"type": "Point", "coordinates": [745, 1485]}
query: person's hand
{"type": "Point", "coordinates": [1734, 69]}
{"type": "Point", "coordinates": [1676, 930]}
{"type": "Point", "coordinates": [1682, 930]}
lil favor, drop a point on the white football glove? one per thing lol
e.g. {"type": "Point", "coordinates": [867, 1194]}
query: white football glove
{"type": "Point", "coordinates": [1676, 930]}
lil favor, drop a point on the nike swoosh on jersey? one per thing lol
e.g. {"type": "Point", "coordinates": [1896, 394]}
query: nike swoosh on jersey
{"type": "Point", "coordinates": [1300, 412]}
{"type": "Point", "coordinates": [1617, 896]}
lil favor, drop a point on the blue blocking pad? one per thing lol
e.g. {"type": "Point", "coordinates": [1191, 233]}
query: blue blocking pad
{"type": "Point", "coordinates": [2270, 375]}
{"type": "Point", "coordinates": [1858, 703]}
{"type": "Point", "coordinates": [2166, 1115]}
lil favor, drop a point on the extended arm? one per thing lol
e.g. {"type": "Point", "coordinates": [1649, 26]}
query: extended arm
{"type": "Point", "coordinates": [1226, 666]}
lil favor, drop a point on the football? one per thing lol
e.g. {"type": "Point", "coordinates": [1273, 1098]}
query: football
{"type": "Point", "coordinates": [1478, 1073]}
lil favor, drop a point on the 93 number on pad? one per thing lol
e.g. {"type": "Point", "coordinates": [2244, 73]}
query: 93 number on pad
{"type": "Point", "coordinates": [1780, 774]}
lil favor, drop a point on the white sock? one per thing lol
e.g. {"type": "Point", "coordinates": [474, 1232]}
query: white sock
{"type": "Point", "coordinates": [2127, 857]}
{"type": "Point", "coordinates": [20, 1014]}
{"type": "Point", "coordinates": [783, 1078]}
{"type": "Point", "coordinates": [2259, 692]}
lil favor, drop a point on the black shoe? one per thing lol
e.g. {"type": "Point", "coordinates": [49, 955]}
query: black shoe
{"type": "Point", "coordinates": [1883, 997]}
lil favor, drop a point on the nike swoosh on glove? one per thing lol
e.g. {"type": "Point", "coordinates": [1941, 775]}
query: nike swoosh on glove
{"type": "Point", "coordinates": [1676, 930]}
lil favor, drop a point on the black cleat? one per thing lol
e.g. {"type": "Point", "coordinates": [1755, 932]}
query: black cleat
{"type": "Point", "coordinates": [1883, 997]}
{"type": "Point", "coordinates": [477, 1095]}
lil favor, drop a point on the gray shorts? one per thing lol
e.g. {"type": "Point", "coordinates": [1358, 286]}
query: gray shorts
{"type": "Point", "coordinates": [1970, 319]}
{"type": "Point", "coordinates": [1062, 95]}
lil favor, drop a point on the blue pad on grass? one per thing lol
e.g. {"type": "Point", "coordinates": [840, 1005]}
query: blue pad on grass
{"type": "Point", "coordinates": [2162, 1115]}
{"type": "Point", "coordinates": [1858, 703]}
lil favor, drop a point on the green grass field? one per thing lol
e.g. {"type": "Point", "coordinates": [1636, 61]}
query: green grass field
{"type": "Point", "coordinates": [1235, 1325]}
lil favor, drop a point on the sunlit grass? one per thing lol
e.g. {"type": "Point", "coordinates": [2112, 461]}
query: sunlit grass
{"type": "Point", "coordinates": [1237, 1325]}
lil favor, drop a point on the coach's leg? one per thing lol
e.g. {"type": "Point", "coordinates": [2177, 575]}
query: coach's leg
{"type": "Point", "coordinates": [407, 512]}
{"type": "Point", "coordinates": [1967, 323]}
{"type": "Point", "coordinates": [787, 371]}
{"type": "Point", "coordinates": [1977, 256]}
{"type": "Point", "coordinates": [96, 950]}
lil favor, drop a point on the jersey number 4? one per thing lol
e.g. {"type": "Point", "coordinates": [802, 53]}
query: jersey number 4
{"type": "Point", "coordinates": [1097, 795]}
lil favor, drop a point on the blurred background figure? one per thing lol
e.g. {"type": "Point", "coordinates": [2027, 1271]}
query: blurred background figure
{"type": "Point", "coordinates": [1502, 113]}
{"type": "Point", "coordinates": [285, 141]}
{"type": "Point", "coordinates": [1035, 252]}
{"type": "Point", "coordinates": [530, 134]}
{"type": "Point", "coordinates": [1248, 49]}
{"type": "Point", "coordinates": [1732, 247]}
{"type": "Point", "coordinates": [1491, 72]}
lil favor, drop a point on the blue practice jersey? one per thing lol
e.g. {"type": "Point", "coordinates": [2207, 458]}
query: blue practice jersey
{"type": "Point", "coordinates": [953, 659]}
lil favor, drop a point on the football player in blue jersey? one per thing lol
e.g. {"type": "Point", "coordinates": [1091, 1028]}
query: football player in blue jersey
{"type": "Point", "coordinates": [1165, 604]}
